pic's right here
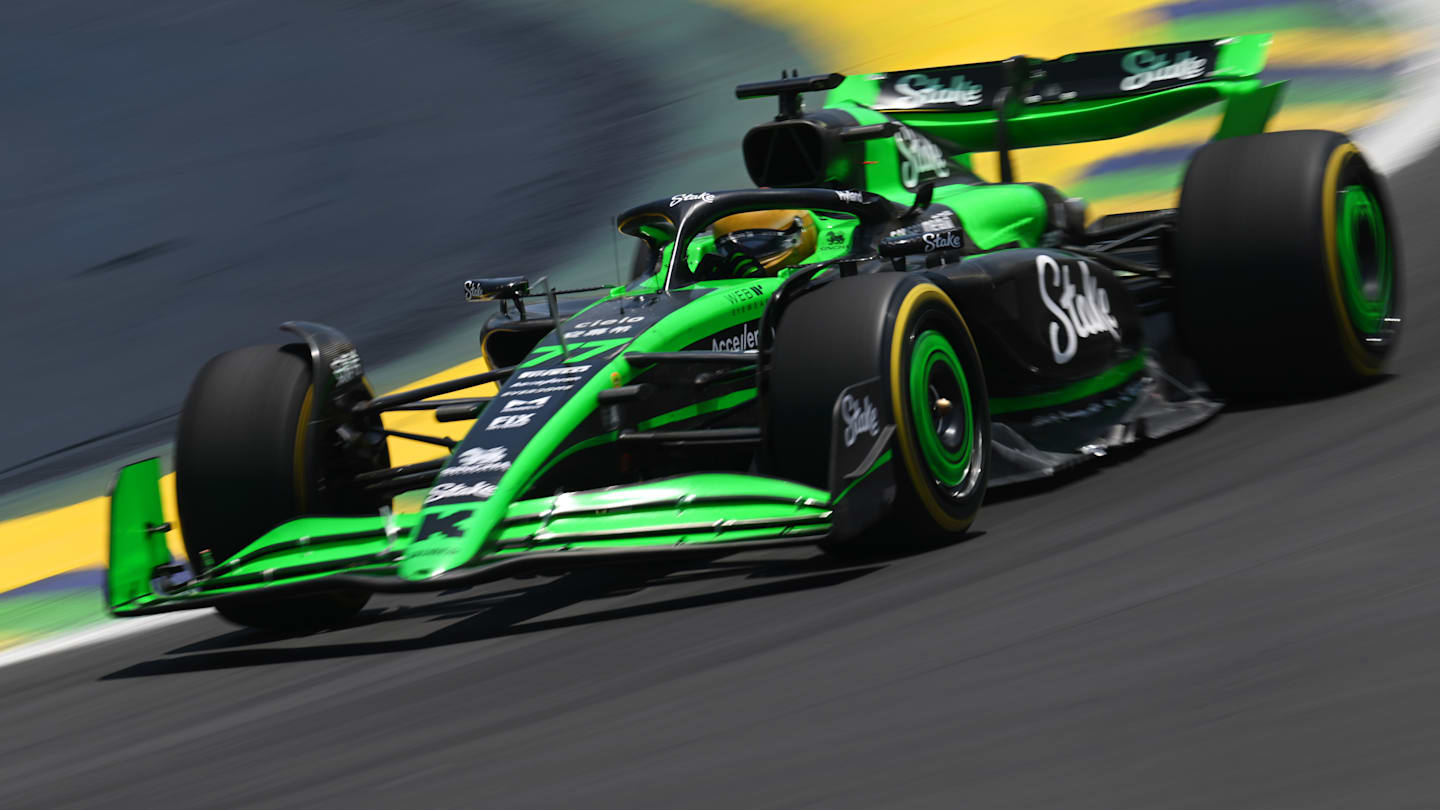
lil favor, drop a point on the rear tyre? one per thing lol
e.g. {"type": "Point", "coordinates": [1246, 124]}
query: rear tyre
{"type": "Point", "coordinates": [1287, 266]}
{"type": "Point", "coordinates": [248, 458]}
{"type": "Point", "coordinates": [905, 330]}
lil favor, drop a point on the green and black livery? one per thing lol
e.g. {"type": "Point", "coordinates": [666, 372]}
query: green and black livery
{"type": "Point", "coordinates": [947, 334]}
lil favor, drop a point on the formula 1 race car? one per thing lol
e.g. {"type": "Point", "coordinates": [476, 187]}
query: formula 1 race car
{"type": "Point", "coordinates": [847, 356]}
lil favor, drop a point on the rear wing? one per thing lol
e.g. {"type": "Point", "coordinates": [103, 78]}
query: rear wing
{"type": "Point", "coordinates": [1026, 102]}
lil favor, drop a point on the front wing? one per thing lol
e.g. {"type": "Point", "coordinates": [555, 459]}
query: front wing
{"type": "Point", "coordinates": [705, 515]}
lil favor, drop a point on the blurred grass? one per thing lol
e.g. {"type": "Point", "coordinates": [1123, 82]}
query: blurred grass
{"type": "Point", "coordinates": [26, 616]}
{"type": "Point", "coordinates": [1193, 21]}
{"type": "Point", "coordinates": [1129, 181]}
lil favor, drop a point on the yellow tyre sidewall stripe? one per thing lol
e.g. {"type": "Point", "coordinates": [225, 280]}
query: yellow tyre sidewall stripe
{"type": "Point", "coordinates": [909, 448]}
{"type": "Point", "coordinates": [1355, 351]}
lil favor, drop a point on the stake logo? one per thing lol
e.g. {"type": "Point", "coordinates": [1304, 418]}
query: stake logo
{"type": "Point", "coordinates": [478, 491]}
{"type": "Point", "coordinates": [948, 240]}
{"type": "Point", "coordinates": [920, 90]}
{"type": "Point", "coordinates": [1147, 67]}
{"type": "Point", "coordinates": [1079, 312]}
{"type": "Point", "coordinates": [920, 158]}
{"type": "Point", "coordinates": [860, 416]}
{"type": "Point", "coordinates": [703, 196]}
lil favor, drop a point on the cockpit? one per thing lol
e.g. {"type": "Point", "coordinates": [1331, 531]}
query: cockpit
{"type": "Point", "coordinates": [754, 233]}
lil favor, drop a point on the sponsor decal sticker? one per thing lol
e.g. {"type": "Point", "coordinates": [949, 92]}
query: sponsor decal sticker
{"type": "Point", "coordinates": [703, 196]}
{"type": "Point", "coordinates": [746, 339]}
{"type": "Point", "coordinates": [524, 405]}
{"type": "Point", "coordinates": [530, 389]}
{"type": "Point", "coordinates": [950, 240]}
{"type": "Point", "coordinates": [564, 371]}
{"type": "Point", "coordinates": [849, 196]}
{"type": "Point", "coordinates": [859, 430]}
{"type": "Point", "coordinates": [346, 367]}
{"type": "Point", "coordinates": [601, 328]}
{"type": "Point", "coordinates": [479, 491]}
{"type": "Point", "coordinates": [442, 525]}
{"type": "Point", "coordinates": [601, 332]}
{"type": "Point", "coordinates": [740, 295]}
{"type": "Point", "coordinates": [744, 299]}
{"type": "Point", "coordinates": [544, 381]}
{"type": "Point", "coordinates": [475, 290]}
{"type": "Point", "coordinates": [1079, 312]}
{"type": "Point", "coordinates": [860, 416]}
{"type": "Point", "coordinates": [609, 322]}
{"type": "Point", "coordinates": [835, 238]}
{"type": "Point", "coordinates": [508, 422]}
{"type": "Point", "coordinates": [920, 158]}
{"type": "Point", "coordinates": [922, 90]}
{"type": "Point", "coordinates": [940, 221]}
{"type": "Point", "coordinates": [478, 460]}
{"type": "Point", "coordinates": [1147, 67]}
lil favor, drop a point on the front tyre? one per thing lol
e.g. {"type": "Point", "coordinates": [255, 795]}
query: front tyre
{"type": "Point", "coordinates": [249, 456]}
{"type": "Point", "coordinates": [906, 331]}
{"type": "Point", "coordinates": [1288, 267]}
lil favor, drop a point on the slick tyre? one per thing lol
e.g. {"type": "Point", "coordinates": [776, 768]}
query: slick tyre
{"type": "Point", "coordinates": [246, 460]}
{"type": "Point", "coordinates": [904, 330]}
{"type": "Point", "coordinates": [1288, 267]}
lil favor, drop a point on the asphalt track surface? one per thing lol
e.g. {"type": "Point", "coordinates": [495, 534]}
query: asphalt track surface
{"type": "Point", "coordinates": [1244, 616]}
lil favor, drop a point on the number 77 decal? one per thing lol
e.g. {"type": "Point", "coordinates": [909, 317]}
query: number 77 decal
{"type": "Point", "coordinates": [578, 351]}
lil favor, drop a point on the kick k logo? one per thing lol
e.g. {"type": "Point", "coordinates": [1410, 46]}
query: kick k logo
{"type": "Point", "coordinates": [438, 526]}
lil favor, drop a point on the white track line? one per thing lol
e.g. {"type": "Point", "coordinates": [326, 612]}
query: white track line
{"type": "Point", "coordinates": [95, 634]}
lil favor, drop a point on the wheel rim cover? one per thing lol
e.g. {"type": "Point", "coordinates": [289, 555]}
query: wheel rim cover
{"type": "Point", "coordinates": [946, 436]}
{"type": "Point", "coordinates": [1366, 262]}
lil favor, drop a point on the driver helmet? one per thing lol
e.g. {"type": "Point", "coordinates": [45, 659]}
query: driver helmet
{"type": "Point", "coordinates": [773, 239]}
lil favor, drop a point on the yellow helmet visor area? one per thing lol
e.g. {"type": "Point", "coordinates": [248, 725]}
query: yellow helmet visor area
{"type": "Point", "coordinates": [774, 239]}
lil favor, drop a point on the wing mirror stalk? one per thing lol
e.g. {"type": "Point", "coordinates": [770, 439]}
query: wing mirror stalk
{"type": "Point", "coordinates": [499, 288]}
{"type": "Point", "coordinates": [516, 288]}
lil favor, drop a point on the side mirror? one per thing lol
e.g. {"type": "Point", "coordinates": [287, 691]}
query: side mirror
{"type": "Point", "coordinates": [501, 287]}
{"type": "Point", "coordinates": [919, 244]}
